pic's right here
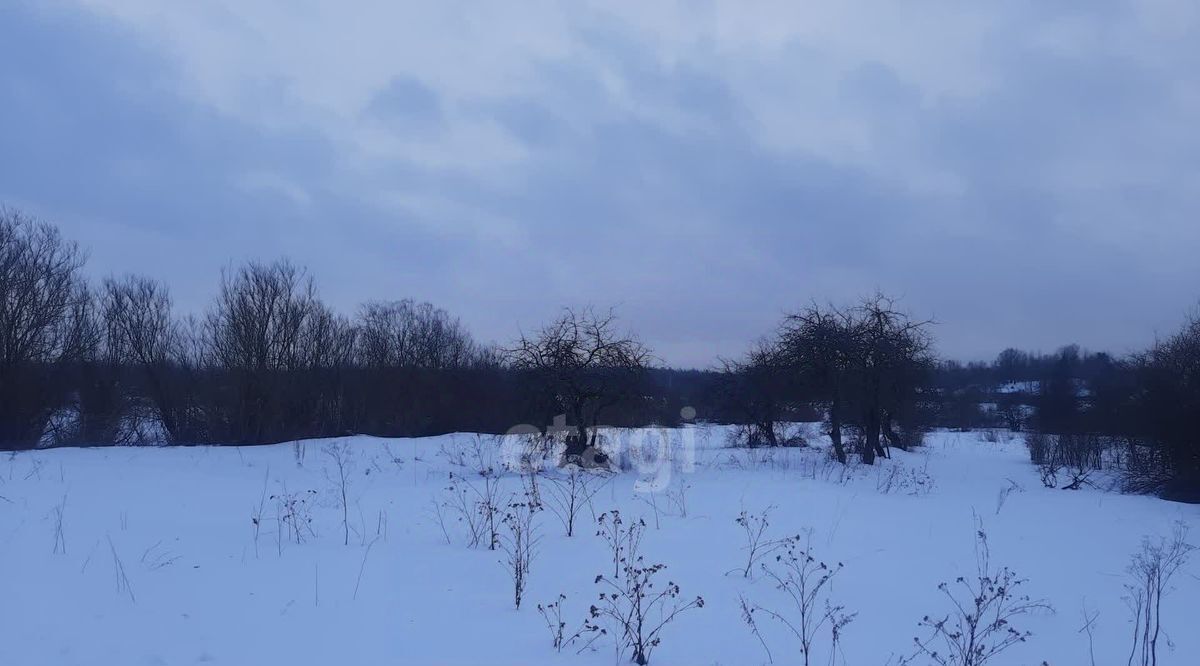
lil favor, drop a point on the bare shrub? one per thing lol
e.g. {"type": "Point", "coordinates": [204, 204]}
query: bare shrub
{"type": "Point", "coordinates": [1039, 446]}
{"type": "Point", "coordinates": [898, 478]}
{"type": "Point", "coordinates": [257, 513]}
{"type": "Point", "coordinates": [650, 499]}
{"type": "Point", "coordinates": [1002, 496]}
{"type": "Point", "coordinates": [758, 545]}
{"type": "Point", "coordinates": [122, 580]}
{"type": "Point", "coordinates": [473, 498]}
{"type": "Point", "coordinates": [677, 498]}
{"type": "Point", "coordinates": [1150, 573]}
{"type": "Point", "coordinates": [518, 541]}
{"type": "Point", "coordinates": [980, 626]}
{"type": "Point", "coordinates": [343, 463]}
{"type": "Point", "coordinates": [1048, 471]}
{"type": "Point", "coordinates": [622, 541]}
{"type": "Point", "coordinates": [552, 614]}
{"type": "Point", "coordinates": [60, 540]}
{"type": "Point", "coordinates": [569, 492]}
{"type": "Point", "coordinates": [632, 602]}
{"type": "Point", "coordinates": [804, 580]}
{"type": "Point", "coordinates": [1076, 456]}
{"type": "Point", "coordinates": [1080, 477]}
{"type": "Point", "coordinates": [476, 507]}
{"type": "Point", "coordinates": [1089, 625]}
{"type": "Point", "coordinates": [293, 515]}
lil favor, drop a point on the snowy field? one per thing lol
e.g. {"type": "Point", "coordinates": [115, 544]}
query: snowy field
{"type": "Point", "coordinates": [141, 556]}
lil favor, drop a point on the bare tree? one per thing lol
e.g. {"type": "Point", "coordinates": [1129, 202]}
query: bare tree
{"type": "Point", "coordinates": [819, 345]}
{"type": "Point", "coordinates": [140, 332]}
{"type": "Point", "coordinates": [404, 334]}
{"type": "Point", "coordinates": [753, 389]}
{"type": "Point", "coordinates": [259, 317]}
{"type": "Point", "coordinates": [416, 368]}
{"type": "Point", "coordinates": [278, 343]}
{"type": "Point", "coordinates": [866, 363]}
{"type": "Point", "coordinates": [580, 366]}
{"type": "Point", "coordinates": [46, 324]}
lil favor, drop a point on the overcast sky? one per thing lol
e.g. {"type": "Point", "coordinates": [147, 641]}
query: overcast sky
{"type": "Point", "coordinates": [1026, 173]}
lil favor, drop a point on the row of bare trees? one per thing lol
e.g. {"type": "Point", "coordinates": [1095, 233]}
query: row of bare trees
{"type": "Point", "coordinates": [268, 361]}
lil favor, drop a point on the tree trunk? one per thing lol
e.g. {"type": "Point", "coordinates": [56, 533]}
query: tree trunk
{"type": "Point", "coordinates": [577, 439]}
{"type": "Point", "coordinates": [889, 431]}
{"type": "Point", "coordinates": [873, 424]}
{"type": "Point", "coordinates": [835, 429]}
{"type": "Point", "coordinates": [871, 446]}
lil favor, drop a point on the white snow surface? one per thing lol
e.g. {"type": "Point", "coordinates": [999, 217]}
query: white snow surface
{"type": "Point", "coordinates": [197, 588]}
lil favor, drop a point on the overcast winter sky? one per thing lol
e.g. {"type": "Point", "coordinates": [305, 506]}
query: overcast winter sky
{"type": "Point", "coordinates": [1027, 173]}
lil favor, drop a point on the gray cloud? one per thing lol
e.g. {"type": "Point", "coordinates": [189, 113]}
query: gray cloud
{"type": "Point", "coordinates": [1027, 177]}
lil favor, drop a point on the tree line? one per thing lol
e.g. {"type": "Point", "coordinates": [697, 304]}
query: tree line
{"type": "Point", "coordinates": [113, 363]}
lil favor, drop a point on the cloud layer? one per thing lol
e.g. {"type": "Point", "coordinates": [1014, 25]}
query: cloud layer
{"type": "Point", "coordinates": [1027, 174]}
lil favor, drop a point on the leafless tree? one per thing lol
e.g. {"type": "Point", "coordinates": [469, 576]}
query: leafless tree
{"type": "Point", "coordinates": [141, 332]}
{"type": "Point", "coordinates": [895, 351]}
{"type": "Point", "coordinates": [581, 365]}
{"type": "Point", "coordinates": [404, 334]}
{"type": "Point", "coordinates": [278, 342]}
{"type": "Point", "coordinates": [819, 345]}
{"type": "Point", "coordinates": [417, 371]}
{"type": "Point", "coordinates": [46, 324]}
{"type": "Point", "coordinates": [753, 389]}
{"type": "Point", "coordinates": [867, 362]}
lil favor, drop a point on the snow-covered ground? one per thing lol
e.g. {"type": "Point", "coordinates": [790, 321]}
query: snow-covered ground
{"type": "Point", "coordinates": [157, 560]}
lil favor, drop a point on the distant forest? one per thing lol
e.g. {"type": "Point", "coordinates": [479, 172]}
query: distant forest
{"type": "Point", "coordinates": [112, 363]}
